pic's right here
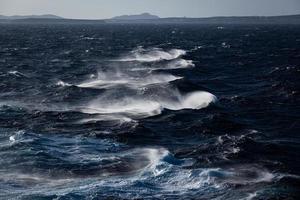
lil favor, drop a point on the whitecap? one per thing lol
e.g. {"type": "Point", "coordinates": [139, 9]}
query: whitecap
{"type": "Point", "coordinates": [98, 83]}
{"type": "Point", "coordinates": [157, 79]}
{"type": "Point", "coordinates": [17, 73]}
{"type": "Point", "coordinates": [118, 120]}
{"type": "Point", "coordinates": [180, 63]}
{"type": "Point", "coordinates": [225, 45]}
{"type": "Point", "coordinates": [63, 84]}
{"type": "Point", "coordinates": [153, 55]}
{"type": "Point", "coordinates": [194, 100]}
{"type": "Point", "coordinates": [19, 136]}
{"type": "Point", "coordinates": [174, 64]}
{"type": "Point", "coordinates": [110, 80]}
{"type": "Point", "coordinates": [131, 107]}
{"type": "Point", "coordinates": [143, 107]}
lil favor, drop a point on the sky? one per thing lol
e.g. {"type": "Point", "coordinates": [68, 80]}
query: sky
{"type": "Point", "coordinates": [103, 9]}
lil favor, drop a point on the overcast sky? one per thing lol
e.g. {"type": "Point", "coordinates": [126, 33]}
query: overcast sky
{"type": "Point", "coordinates": [100, 9]}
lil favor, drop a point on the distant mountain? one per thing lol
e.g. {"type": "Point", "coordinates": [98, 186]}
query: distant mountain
{"type": "Point", "coordinates": [143, 16]}
{"type": "Point", "coordinates": [50, 21]}
{"type": "Point", "coordinates": [29, 17]}
{"type": "Point", "coordinates": [287, 19]}
{"type": "Point", "coordinates": [147, 18]}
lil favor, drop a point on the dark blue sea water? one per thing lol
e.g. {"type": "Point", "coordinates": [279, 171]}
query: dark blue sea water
{"type": "Point", "coordinates": [149, 112]}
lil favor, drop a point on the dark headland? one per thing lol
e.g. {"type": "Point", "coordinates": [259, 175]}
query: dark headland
{"type": "Point", "coordinates": [146, 18]}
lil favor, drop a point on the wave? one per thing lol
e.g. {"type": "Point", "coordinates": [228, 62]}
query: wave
{"type": "Point", "coordinates": [171, 174]}
{"type": "Point", "coordinates": [63, 84]}
{"type": "Point", "coordinates": [148, 106]}
{"type": "Point", "coordinates": [98, 83]}
{"type": "Point", "coordinates": [119, 119]}
{"type": "Point", "coordinates": [135, 172]}
{"type": "Point", "coordinates": [180, 63]}
{"type": "Point", "coordinates": [107, 80]}
{"type": "Point", "coordinates": [131, 77]}
{"type": "Point", "coordinates": [174, 64]}
{"type": "Point", "coordinates": [17, 74]}
{"type": "Point", "coordinates": [194, 100]}
{"type": "Point", "coordinates": [153, 55]}
{"type": "Point", "coordinates": [129, 107]}
{"type": "Point", "coordinates": [92, 38]}
{"type": "Point", "coordinates": [129, 95]}
{"type": "Point", "coordinates": [16, 137]}
{"type": "Point", "coordinates": [157, 79]}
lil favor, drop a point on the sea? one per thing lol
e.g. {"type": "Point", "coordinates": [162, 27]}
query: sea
{"type": "Point", "coordinates": [149, 111]}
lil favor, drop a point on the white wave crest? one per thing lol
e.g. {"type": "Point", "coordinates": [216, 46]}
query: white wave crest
{"type": "Point", "coordinates": [127, 107]}
{"type": "Point", "coordinates": [98, 83]}
{"type": "Point", "coordinates": [180, 63]}
{"type": "Point", "coordinates": [194, 100]}
{"type": "Point", "coordinates": [146, 107]}
{"type": "Point", "coordinates": [111, 80]}
{"type": "Point", "coordinates": [153, 55]}
{"type": "Point", "coordinates": [63, 84]}
{"type": "Point", "coordinates": [17, 74]}
{"type": "Point", "coordinates": [174, 64]}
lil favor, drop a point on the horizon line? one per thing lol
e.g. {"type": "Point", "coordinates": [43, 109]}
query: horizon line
{"type": "Point", "coordinates": [213, 16]}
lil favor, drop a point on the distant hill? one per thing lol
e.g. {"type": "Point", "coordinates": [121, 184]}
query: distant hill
{"type": "Point", "coordinates": [51, 21]}
{"type": "Point", "coordinates": [44, 19]}
{"type": "Point", "coordinates": [14, 17]}
{"type": "Point", "coordinates": [143, 16]}
{"type": "Point", "coordinates": [146, 18]}
{"type": "Point", "coordinates": [288, 19]}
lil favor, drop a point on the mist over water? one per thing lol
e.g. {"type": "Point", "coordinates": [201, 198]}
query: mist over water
{"type": "Point", "coordinates": [149, 112]}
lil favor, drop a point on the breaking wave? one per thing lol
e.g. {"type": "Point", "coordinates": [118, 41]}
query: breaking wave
{"type": "Point", "coordinates": [63, 84]}
{"type": "Point", "coordinates": [146, 107]}
{"type": "Point", "coordinates": [131, 107]}
{"type": "Point", "coordinates": [152, 55]}
{"type": "Point", "coordinates": [135, 94]}
{"type": "Point", "coordinates": [136, 172]}
{"type": "Point", "coordinates": [180, 63]}
{"type": "Point", "coordinates": [107, 80]}
{"type": "Point", "coordinates": [174, 64]}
